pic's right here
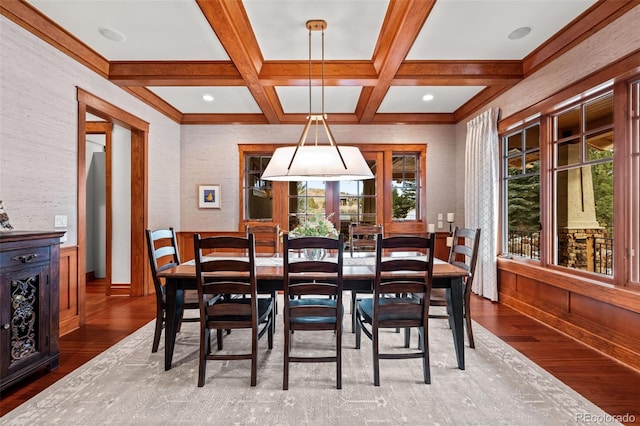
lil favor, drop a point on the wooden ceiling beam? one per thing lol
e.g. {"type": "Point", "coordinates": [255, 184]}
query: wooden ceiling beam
{"type": "Point", "coordinates": [229, 21]}
{"type": "Point", "coordinates": [175, 73]}
{"type": "Point", "coordinates": [458, 73]}
{"type": "Point", "coordinates": [401, 26]}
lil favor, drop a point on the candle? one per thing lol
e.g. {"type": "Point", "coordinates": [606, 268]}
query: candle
{"type": "Point", "coordinates": [450, 217]}
{"type": "Point", "coordinates": [432, 228]}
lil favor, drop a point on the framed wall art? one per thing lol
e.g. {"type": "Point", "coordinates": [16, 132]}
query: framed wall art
{"type": "Point", "coordinates": [209, 196]}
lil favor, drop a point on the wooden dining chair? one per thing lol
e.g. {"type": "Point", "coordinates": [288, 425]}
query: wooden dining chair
{"type": "Point", "coordinates": [235, 277]}
{"type": "Point", "coordinates": [361, 238]}
{"type": "Point", "coordinates": [463, 254]}
{"type": "Point", "coordinates": [163, 254]}
{"type": "Point", "coordinates": [306, 307]}
{"type": "Point", "coordinates": [393, 305]}
{"type": "Point", "coordinates": [267, 238]}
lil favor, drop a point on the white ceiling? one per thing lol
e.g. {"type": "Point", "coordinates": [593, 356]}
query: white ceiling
{"type": "Point", "coordinates": [178, 30]}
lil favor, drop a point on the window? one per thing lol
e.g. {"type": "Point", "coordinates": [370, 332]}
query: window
{"type": "Point", "coordinates": [306, 199]}
{"type": "Point", "coordinates": [583, 170]}
{"type": "Point", "coordinates": [394, 198]}
{"type": "Point", "coordinates": [358, 201]}
{"type": "Point", "coordinates": [521, 192]}
{"type": "Point", "coordinates": [258, 193]}
{"type": "Point", "coordinates": [404, 181]}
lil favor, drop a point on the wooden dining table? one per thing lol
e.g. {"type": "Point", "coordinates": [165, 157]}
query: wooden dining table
{"type": "Point", "coordinates": [358, 274]}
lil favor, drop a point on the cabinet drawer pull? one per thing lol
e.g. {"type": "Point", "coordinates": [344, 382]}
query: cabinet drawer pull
{"type": "Point", "coordinates": [25, 258]}
{"type": "Point", "coordinates": [6, 326]}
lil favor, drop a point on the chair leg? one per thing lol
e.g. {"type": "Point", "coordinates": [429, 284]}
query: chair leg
{"type": "Point", "coordinates": [358, 331]}
{"type": "Point", "coordinates": [157, 334]}
{"type": "Point", "coordinates": [219, 336]}
{"type": "Point", "coordinates": [202, 365]}
{"type": "Point", "coordinates": [254, 356]}
{"type": "Point", "coordinates": [424, 342]}
{"type": "Point", "coordinates": [407, 337]}
{"type": "Point", "coordinates": [339, 356]}
{"type": "Point", "coordinates": [353, 310]}
{"type": "Point", "coordinates": [467, 315]}
{"type": "Point", "coordinates": [285, 369]}
{"type": "Point", "coordinates": [376, 358]}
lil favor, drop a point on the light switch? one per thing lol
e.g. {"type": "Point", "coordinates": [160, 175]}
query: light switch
{"type": "Point", "coordinates": [440, 218]}
{"type": "Point", "coordinates": [60, 221]}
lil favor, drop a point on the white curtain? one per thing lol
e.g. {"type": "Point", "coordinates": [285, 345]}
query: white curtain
{"type": "Point", "coordinates": [481, 195]}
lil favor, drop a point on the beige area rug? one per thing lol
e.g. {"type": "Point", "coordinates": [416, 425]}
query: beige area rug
{"type": "Point", "coordinates": [127, 384]}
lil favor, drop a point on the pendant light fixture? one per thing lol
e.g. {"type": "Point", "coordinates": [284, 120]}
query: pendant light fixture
{"type": "Point", "coordinates": [317, 162]}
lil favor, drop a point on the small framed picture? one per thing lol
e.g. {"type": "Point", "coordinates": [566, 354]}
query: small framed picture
{"type": "Point", "coordinates": [209, 196]}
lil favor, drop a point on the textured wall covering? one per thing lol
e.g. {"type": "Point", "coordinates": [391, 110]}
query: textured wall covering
{"type": "Point", "coordinates": [210, 155]}
{"type": "Point", "coordinates": [38, 135]}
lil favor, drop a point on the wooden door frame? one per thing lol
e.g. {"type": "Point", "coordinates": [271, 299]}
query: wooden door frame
{"type": "Point", "coordinates": [89, 103]}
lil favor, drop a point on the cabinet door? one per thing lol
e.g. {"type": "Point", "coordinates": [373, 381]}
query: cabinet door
{"type": "Point", "coordinates": [24, 298]}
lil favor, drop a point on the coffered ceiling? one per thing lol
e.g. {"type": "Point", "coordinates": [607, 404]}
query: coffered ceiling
{"type": "Point", "coordinates": [252, 56]}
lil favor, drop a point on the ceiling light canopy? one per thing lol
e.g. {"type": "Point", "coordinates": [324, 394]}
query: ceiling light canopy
{"type": "Point", "coordinates": [316, 162]}
{"type": "Point", "coordinates": [207, 97]}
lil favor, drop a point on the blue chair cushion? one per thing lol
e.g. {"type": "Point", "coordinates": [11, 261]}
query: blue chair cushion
{"type": "Point", "coordinates": [366, 306]}
{"type": "Point", "coordinates": [313, 302]}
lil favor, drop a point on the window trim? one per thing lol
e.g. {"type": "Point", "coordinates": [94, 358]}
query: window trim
{"type": "Point", "coordinates": [609, 78]}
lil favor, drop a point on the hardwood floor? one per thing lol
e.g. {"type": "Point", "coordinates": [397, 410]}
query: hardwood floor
{"type": "Point", "coordinates": [604, 381]}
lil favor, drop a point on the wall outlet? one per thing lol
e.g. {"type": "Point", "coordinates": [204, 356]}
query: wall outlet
{"type": "Point", "coordinates": [440, 223]}
{"type": "Point", "coordinates": [63, 239]}
{"type": "Point", "coordinates": [60, 221]}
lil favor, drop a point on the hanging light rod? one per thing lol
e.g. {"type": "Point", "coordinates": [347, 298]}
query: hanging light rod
{"type": "Point", "coordinates": [317, 162]}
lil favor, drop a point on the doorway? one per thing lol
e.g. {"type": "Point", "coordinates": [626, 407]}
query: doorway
{"type": "Point", "coordinates": [139, 275]}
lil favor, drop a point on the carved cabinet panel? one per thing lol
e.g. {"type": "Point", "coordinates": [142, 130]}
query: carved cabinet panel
{"type": "Point", "coordinates": [28, 303]}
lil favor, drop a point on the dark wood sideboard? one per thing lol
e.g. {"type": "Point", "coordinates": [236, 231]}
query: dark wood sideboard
{"type": "Point", "coordinates": [29, 303]}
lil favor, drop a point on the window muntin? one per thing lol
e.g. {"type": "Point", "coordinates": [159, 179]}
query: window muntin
{"type": "Point", "coordinates": [258, 193]}
{"type": "Point", "coordinates": [583, 148]}
{"type": "Point", "coordinates": [405, 202]}
{"type": "Point", "coordinates": [521, 168]}
{"type": "Point", "coordinates": [634, 196]}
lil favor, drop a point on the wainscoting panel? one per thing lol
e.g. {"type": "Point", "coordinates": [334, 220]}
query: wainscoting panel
{"type": "Point", "coordinates": [69, 290]}
{"type": "Point", "coordinates": [603, 317]}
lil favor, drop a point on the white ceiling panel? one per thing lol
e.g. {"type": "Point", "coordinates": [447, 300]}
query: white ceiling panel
{"type": "Point", "coordinates": [479, 29]}
{"type": "Point", "coordinates": [408, 99]}
{"type": "Point", "coordinates": [336, 99]}
{"type": "Point", "coordinates": [226, 99]}
{"type": "Point", "coordinates": [352, 27]}
{"type": "Point", "coordinates": [154, 29]}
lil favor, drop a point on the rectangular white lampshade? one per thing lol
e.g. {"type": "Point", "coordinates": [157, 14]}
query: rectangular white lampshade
{"type": "Point", "coordinates": [317, 163]}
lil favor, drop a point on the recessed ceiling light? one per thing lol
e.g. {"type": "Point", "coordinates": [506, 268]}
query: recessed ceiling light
{"type": "Point", "coordinates": [519, 33]}
{"type": "Point", "coordinates": [112, 34]}
{"type": "Point", "coordinates": [427, 97]}
{"type": "Point", "coordinates": [207, 97]}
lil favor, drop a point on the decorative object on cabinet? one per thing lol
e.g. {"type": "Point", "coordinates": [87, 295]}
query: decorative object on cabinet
{"type": "Point", "coordinates": [209, 196]}
{"type": "Point", "coordinates": [29, 301]}
{"type": "Point", "coordinates": [4, 218]}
